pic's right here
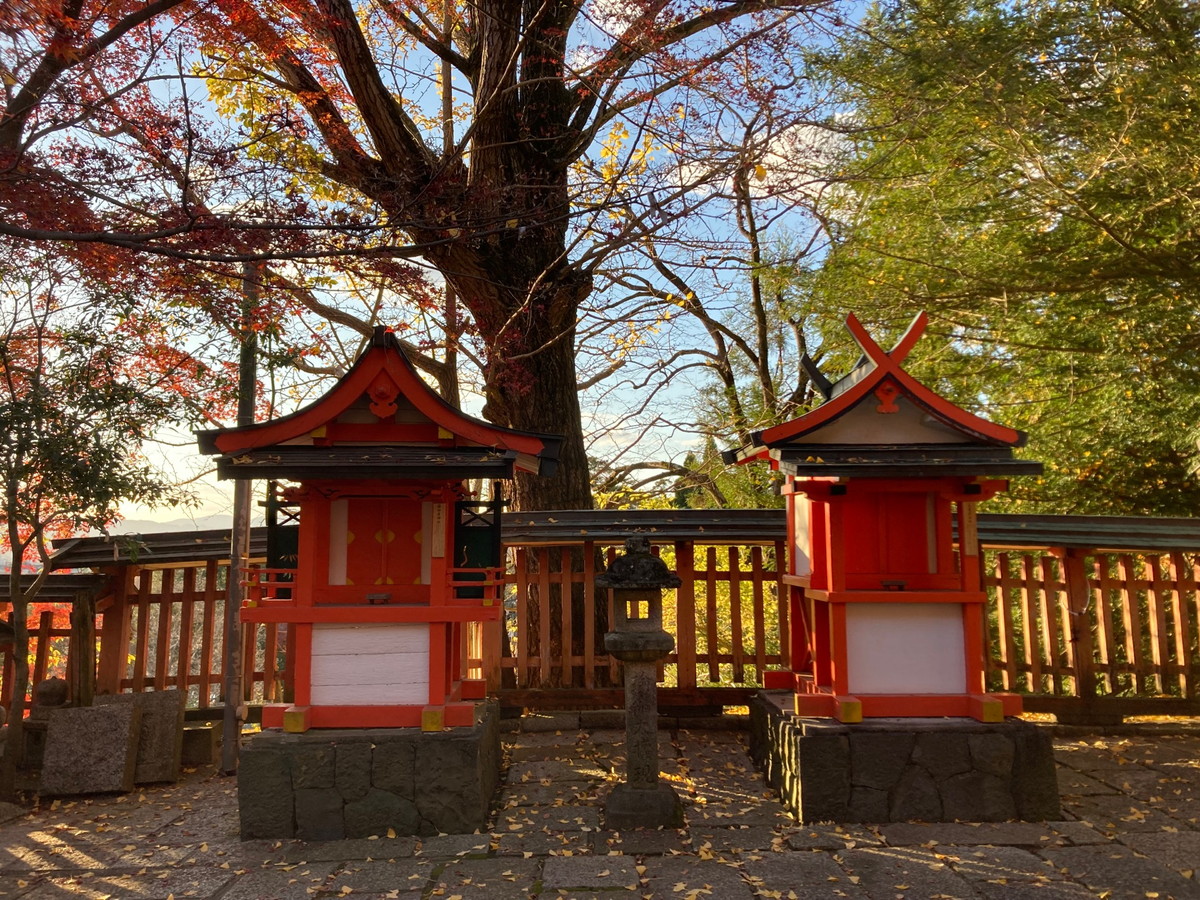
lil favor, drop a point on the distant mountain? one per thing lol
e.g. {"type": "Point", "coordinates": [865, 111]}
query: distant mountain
{"type": "Point", "coordinates": [198, 523]}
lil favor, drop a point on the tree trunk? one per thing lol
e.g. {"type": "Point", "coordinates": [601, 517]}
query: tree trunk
{"type": "Point", "coordinates": [550, 407]}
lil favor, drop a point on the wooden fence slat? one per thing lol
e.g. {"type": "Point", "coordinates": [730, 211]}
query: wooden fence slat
{"type": "Point", "coordinates": [187, 613]}
{"type": "Point", "coordinates": [269, 673]}
{"type": "Point", "coordinates": [713, 645]}
{"type": "Point", "coordinates": [1049, 603]}
{"type": "Point", "coordinates": [1067, 666]}
{"type": "Point", "coordinates": [1131, 619]}
{"type": "Point", "coordinates": [1184, 590]}
{"type": "Point", "coordinates": [1006, 624]}
{"type": "Point", "coordinates": [208, 635]}
{"type": "Point", "coordinates": [545, 657]}
{"type": "Point", "coordinates": [521, 672]}
{"type": "Point", "coordinates": [1106, 646]}
{"type": "Point", "coordinates": [567, 670]}
{"type": "Point", "coordinates": [1157, 600]}
{"type": "Point", "coordinates": [759, 612]}
{"type": "Point", "coordinates": [685, 615]}
{"type": "Point", "coordinates": [141, 649]}
{"type": "Point", "coordinates": [735, 615]}
{"type": "Point", "coordinates": [1029, 626]}
{"type": "Point", "coordinates": [164, 607]}
{"type": "Point", "coordinates": [589, 614]}
{"type": "Point", "coordinates": [781, 607]}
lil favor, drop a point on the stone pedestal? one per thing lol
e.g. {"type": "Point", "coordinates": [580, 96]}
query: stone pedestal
{"type": "Point", "coordinates": [896, 770]}
{"type": "Point", "coordinates": [637, 580]}
{"type": "Point", "coordinates": [354, 783]}
{"type": "Point", "coordinates": [642, 801]}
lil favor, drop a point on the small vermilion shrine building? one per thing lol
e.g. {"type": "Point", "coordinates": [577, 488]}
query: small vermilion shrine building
{"type": "Point", "coordinates": [394, 557]}
{"type": "Point", "coordinates": [886, 601]}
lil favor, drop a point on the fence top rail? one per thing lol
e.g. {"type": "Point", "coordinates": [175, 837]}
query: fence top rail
{"type": "Point", "coordinates": [1097, 533]}
{"type": "Point", "coordinates": [705, 526]}
{"type": "Point", "coordinates": [151, 549]}
{"type": "Point", "coordinates": [59, 588]}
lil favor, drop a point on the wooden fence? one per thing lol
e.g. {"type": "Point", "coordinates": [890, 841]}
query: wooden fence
{"type": "Point", "coordinates": [1071, 628]}
{"type": "Point", "coordinates": [727, 618]}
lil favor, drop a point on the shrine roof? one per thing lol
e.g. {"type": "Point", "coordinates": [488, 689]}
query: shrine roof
{"type": "Point", "coordinates": [381, 402]}
{"type": "Point", "coordinates": [907, 461]}
{"type": "Point", "coordinates": [878, 420]}
{"type": "Point", "coordinates": [366, 461]}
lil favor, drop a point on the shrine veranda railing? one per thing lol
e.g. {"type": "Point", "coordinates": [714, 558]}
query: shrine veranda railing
{"type": "Point", "coordinates": [1063, 625]}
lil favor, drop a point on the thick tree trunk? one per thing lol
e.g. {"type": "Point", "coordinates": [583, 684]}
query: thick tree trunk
{"type": "Point", "coordinates": [540, 394]}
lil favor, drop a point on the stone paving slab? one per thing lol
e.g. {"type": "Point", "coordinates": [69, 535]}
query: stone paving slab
{"type": "Point", "coordinates": [1074, 783]}
{"type": "Point", "coordinates": [1177, 850]}
{"type": "Point", "coordinates": [1119, 813]}
{"type": "Point", "coordinates": [998, 865]}
{"type": "Point", "coordinates": [904, 872]}
{"type": "Point", "coordinates": [680, 876]}
{"type": "Point", "coordinates": [382, 876]}
{"type": "Point", "coordinates": [1022, 890]}
{"type": "Point", "coordinates": [591, 872]}
{"type": "Point", "coordinates": [281, 883]}
{"type": "Point", "coordinates": [831, 837]}
{"type": "Point", "coordinates": [488, 879]}
{"type": "Point", "coordinates": [643, 841]}
{"type": "Point", "coordinates": [1031, 834]}
{"type": "Point", "coordinates": [145, 884]}
{"type": "Point", "coordinates": [808, 874]}
{"type": "Point", "coordinates": [1119, 874]}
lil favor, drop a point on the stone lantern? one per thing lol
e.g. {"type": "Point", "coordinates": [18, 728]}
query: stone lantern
{"type": "Point", "coordinates": [637, 580]}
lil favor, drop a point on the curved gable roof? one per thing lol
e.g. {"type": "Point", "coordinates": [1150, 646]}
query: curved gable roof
{"type": "Point", "coordinates": [383, 374]}
{"type": "Point", "coordinates": [876, 385]}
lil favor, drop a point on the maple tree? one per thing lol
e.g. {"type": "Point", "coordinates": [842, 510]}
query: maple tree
{"type": "Point", "coordinates": [76, 403]}
{"type": "Point", "coordinates": [328, 143]}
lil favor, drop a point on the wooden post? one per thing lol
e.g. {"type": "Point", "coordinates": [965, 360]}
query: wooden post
{"type": "Point", "coordinates": [1080, 623]}
{"type": "Point", "coordinates": [82, 672]}
{"type": "Point", "coordinates": [239, 552]}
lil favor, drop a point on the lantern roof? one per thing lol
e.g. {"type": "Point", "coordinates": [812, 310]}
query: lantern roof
{"type": "Point", "coordinates": [878, 420]}
{"type": "Point", "coordinates": [381, 420]}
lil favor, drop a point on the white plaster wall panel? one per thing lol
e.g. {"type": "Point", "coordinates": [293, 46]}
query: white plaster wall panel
{"type": "Point", "coordinates": [370, 665]}
{"type": "Point", "coordinates": [801, 516]}
{"type": "Point", "coordinates": [905, 648]}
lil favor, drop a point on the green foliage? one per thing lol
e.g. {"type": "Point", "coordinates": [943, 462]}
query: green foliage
{"type": "Point", "coordinates": [75, 406]}
{"type": "Point", "coordinates": [1027, 173]}
{"type": "Point", "coordinates": [736, 487]}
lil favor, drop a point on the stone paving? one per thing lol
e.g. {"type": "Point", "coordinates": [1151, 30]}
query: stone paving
{"type": "Point", "coordinates": [1132, 831]}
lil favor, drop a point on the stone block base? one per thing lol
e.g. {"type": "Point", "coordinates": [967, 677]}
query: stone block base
{"type": "Point", "coordinates": [897, 770]}
{"type": "Point", "coordinates": [199, 745]}
{"type": "Point", "coordinates": [355, 783]}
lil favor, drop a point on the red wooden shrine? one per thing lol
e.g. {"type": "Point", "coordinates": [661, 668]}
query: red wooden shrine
{"type": "Point", "coordinates": [391, 564]}
{"type": "Point", "coordinates": [885, 583]}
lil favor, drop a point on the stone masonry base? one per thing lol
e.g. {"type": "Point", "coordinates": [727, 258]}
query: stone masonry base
{"type": "Point", "coordinates": [353, 783]}
{"type": "Point", "coordinates": [895, 770]}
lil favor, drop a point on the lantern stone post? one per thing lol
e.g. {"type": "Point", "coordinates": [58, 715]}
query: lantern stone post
{"type": "Point", "coordinates": [637, 580]}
